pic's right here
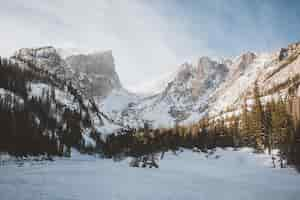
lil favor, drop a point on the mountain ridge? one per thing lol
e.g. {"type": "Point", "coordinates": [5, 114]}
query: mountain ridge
{"type": "Point", "coordinates": [211, 86]}
{"type": "Point", "coordinates": [192, 91]}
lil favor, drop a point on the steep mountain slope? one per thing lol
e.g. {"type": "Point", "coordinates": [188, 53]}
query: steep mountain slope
{"type": "Point", "coordinates": [93, 69]}
{"type": "Point", "coordinates": [211, 87]}
{"type": "Point", "coordinates": [276, 76]}
{"type": "Point", "coordinates": [206, 88]}
{"type": "Point", "coordinates": [41, 84]}
{"type": "Point", "coordinates": [100, 70]}
{"type": "Point", "coordinates": [183, 96]}
{"type": "Point", "coordinates": [93, 74]}
{"type": "Point", "coordinates": [244, 70]}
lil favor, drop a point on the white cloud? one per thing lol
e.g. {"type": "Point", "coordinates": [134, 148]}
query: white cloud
{"type": "Point", "coordinates": [135, 32]}
{"type": "Point", "coordinates": [147, 38]}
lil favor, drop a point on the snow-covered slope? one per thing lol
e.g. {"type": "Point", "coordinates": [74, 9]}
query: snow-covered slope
{"type": "Point", "coordinates": [84, 77]}
{"type": "Point", "coordinates": [272, 72]}
{"type": "Point", "coordinates": [192, 91]}
{"type": "Point", "coordinates": [243, 73]}
{"type": "Point", "coordinates": [207, 88]}
{"type": "Point", "coordinates": [185, 93]}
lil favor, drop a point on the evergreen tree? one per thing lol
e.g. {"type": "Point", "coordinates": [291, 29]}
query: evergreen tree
{"type": "Point", "coordinates": [257, 120]}
{"type": "Point", "coordinates": [245, 124]}
{"type": "Point", "coordinates": [268, 127]}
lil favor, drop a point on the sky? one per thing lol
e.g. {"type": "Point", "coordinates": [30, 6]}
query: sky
{"type": "Point", "coordinates": [150, 38]}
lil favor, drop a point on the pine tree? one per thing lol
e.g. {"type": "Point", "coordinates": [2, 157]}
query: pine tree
{"type": "Point", "coordinates": [234, 130]}
{"type": "Point", "coordinates": [257, 120]}
{"type": "Point", "coordinates": [268, 127]}
{"type": "Point", "coordinates": [245, 124]}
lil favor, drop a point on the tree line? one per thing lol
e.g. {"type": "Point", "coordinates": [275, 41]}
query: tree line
{"type": "Point", "coordinates": [262, 126]}
{"type": "Point", "coordinates": [31, 127]}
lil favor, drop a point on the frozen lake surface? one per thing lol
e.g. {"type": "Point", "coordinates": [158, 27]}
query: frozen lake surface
{"type": "Point", "coordinates": [226, 174]}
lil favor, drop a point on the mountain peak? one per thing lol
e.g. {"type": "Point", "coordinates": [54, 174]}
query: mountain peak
{"type": "Point", "coordinates": [97, 62]}
{"type": "Point", "coordinates": [45, 51]}
{"type": "Point", "coordinates": [241, 62]}
{"type": "Point", "coordinates": [100, 68]}
{"type": "Point", "coordinates": [102, 53]}
{"type": "Point", "coordinates": [67, 52]}
{"type": "Point", "coordinates": [45, 57]}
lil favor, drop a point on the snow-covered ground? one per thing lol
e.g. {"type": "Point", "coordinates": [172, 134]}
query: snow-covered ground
{"type": "Point", "coordinates": [189, 175]}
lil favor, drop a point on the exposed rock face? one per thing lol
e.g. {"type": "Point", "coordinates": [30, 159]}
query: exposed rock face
{"type": "Point", "coordinates": [100, 70]}
{"type": "Point", "coordinates": [213, 87]}
{"type": "Point", "coordinates": [209, 74]}
{"type": "Point", "coordinates": [293, 48]}
{"type": "Point", "coordinates": [193, 84]}
{"type": "Point", "coordinates": [290, 50]}
{"type": "Point", "coordinates": [185, 96]}
{"type": "Point", "coordinates": [92, 74]}
{"type": "Point", "coordinates": [99, 63]}
{"type": "Point", "coordinates": [245, 60]}
{"type": "Point", "coordinates": [191, 92]}
{"type": "Point", "coordinates": [45, 58]}
{"type": "Point", "coordinates": [239, 65]}
{"type": "Point", "coordinates": [283, 54]}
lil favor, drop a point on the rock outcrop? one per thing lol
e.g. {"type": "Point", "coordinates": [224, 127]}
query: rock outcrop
{"type": "Point", "coordinates": [96, 70]}
{"type": "Point", "coordinates": [93, 74]}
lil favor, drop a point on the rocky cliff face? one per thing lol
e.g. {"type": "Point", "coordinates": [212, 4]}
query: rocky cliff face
{"type": "Point", "coordinates": [93, 74]}
{"type": "Point", "coordinates": [239, 65]}
{"type": "Point", "coordinates": [99, 68]}
{"type": "Point", "coordinates": [184, 96]}
{"type": "Point", "coordinates": [193, 91]}
{"type": "Point", "coordinates": [45, 58]}
{"type": "Point", "coordinates": [209, 74]}
{"type": "Point", "coordinates": [212, 87]}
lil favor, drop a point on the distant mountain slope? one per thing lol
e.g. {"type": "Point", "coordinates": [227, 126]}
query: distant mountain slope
{"type": "Point", "coordinates": [100, 70]}
{"type": "Point", "coordinates": [211, 87]}
{"type": "Point", "coordinates": [193, 91]}
{"type": "Point", "coordinates": [94, 74]}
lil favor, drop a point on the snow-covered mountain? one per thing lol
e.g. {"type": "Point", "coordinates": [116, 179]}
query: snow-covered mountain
{"type": "Point", "coordinates": [90, 75]}
{"type": "Point", "coordinates": [208, 88]}
{"type": "Point", "coordinates": [185, 95]}
{"type": "Point", "coordinates": [94, 73]}
{"type": "Point", "coordinates": [205, 88]}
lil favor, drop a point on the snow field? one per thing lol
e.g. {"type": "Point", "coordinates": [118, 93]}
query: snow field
{"type": "Point", "coordinates": [226, 174]}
